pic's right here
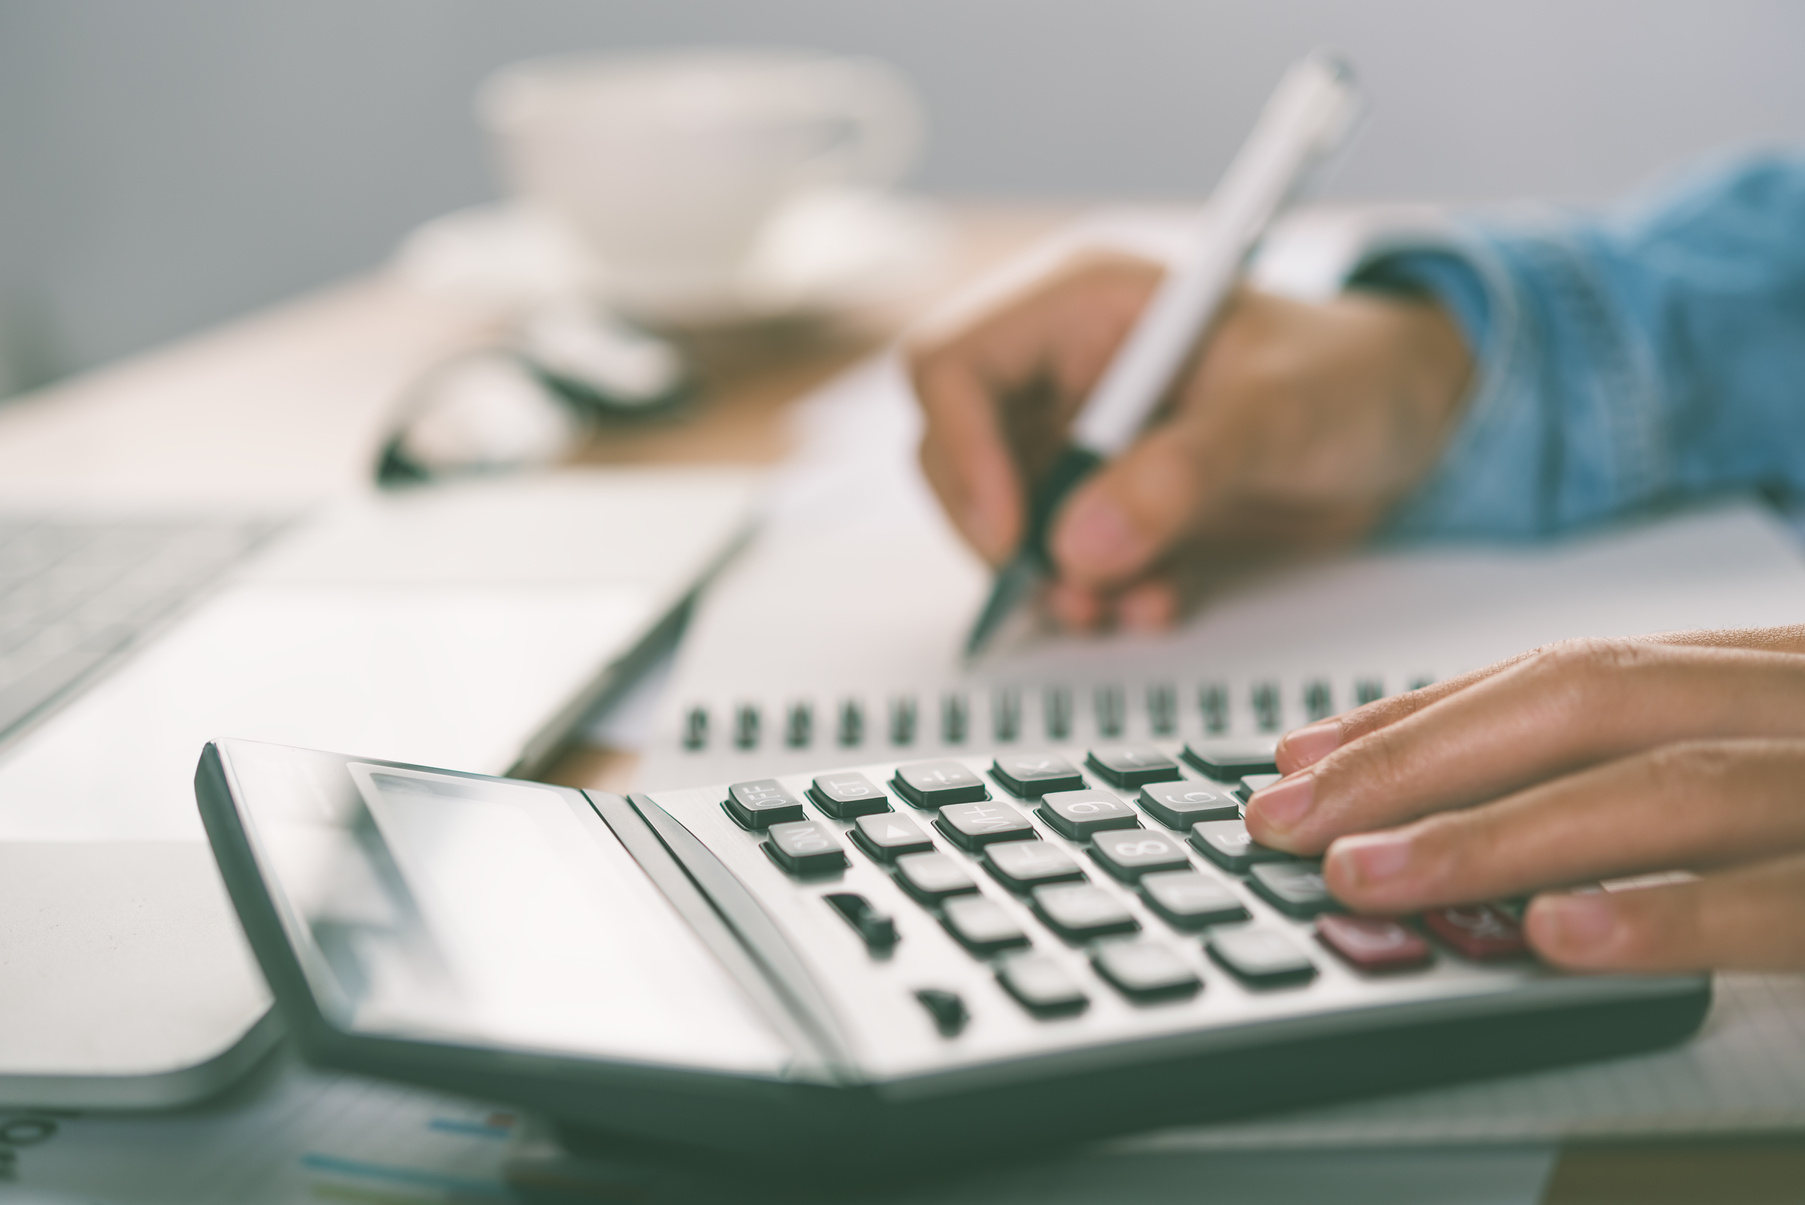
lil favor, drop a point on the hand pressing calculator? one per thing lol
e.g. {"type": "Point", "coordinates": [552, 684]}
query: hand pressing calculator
{"type": "Point", "coordinates": [893, 965]}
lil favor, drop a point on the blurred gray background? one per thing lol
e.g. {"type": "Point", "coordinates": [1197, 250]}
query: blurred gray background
{"type": "Point", "coordinates": [165, 164]}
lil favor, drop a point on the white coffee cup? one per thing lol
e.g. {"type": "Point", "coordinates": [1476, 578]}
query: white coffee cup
{"type": "Point", "coordinates": [668, 165]}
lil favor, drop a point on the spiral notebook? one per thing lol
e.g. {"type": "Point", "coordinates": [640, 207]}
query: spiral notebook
{"type": "Point", "coordinates": [835, 638]}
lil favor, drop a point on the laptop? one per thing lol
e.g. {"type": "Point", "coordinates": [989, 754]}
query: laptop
{"type": "Point", "coordinates": [469, 625]}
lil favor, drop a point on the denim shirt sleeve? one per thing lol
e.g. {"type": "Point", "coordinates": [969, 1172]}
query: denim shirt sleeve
{"type": "Point", "coordinates": [1624, 362]}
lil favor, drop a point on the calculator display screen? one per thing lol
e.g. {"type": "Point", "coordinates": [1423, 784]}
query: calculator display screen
{"type": "Point", "coordinates": [491, 912]}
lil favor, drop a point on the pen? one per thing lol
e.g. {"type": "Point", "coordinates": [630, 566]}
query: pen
{"type": "Point", "coordinates": [1308, 116]}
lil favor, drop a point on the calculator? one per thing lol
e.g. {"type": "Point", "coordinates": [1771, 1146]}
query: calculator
{"type": "Point", "coordinates": [883, 965]}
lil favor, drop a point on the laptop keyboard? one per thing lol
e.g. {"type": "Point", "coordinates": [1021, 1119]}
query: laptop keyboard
{"type": "Point", "coordinates": [76, 593]}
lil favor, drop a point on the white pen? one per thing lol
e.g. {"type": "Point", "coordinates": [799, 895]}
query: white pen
{"type": "Point", "coordinates": [1307, 118]}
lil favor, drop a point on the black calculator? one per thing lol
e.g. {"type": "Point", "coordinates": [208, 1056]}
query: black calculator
{"type": "Point", "coordinates": [882, 965]}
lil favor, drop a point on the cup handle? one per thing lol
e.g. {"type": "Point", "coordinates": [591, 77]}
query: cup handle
{"type": "Point", "coordinates": [885, 120]}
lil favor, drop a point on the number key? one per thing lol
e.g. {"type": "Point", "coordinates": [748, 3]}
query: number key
{"type": "Point", "coordinates": [1041, 985]}
{"type": "Point", "coordinates": [1020, 865]}
{"type": "Point", "coordinates": [982, 926]}
{"type": "Point", "coordinates": [1227, 844]}
{"type": "Point", "coordinates": [1190, 899]}
{"type": "Point", "coordinates": [1259, 956]}
{"type": "Point", "coordinates": [1077, 911]}
{"type": "Point", "coordinates": [1294, 888]}
{"type": "Point", "coordinates": [1129, 855]}
{"type": "Point", "coordinates": [1142, 970]}
{"type": "Point", "coordinates": [1182, 804]}
{"type": "Point", "coordinates": [805, 847]}
{"type": "Point", "coordinates": [1078, 814]}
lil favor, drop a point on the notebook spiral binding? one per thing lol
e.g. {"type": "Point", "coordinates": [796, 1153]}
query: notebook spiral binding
{"type": "Point", "coordinates": [1007, 715]}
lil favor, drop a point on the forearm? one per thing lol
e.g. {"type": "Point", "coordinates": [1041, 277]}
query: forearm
{"type": "Point", "coordinates": [1623, 362]}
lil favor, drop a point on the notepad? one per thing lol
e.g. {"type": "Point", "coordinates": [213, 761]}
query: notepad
{"type": "Point", "coordinates": [856, 596]}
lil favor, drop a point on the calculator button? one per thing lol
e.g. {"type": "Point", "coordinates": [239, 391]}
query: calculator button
{"type": "Point", "coordinates": [1259, 956]}
{"type": "Point", "coordinates": [931, 878]}
{"type": "Point", "coordinates": [1372, 943]}
{"type": "Point", "coordinates": [847, 794]}
{"type": "Point", "coordinates": [1191, 900]}
{"type": "Point", "coordinates": [887, 836]}
{"type": "Point", "coordinates": [1031, 775]}
{"type": "Point", "coordinates": [1226, 759]}
{"type": "Point", "coordinates": [1042, 986]}
{"type": "Point", "coordinates": [1078, 910]}
{"type": "Point", "coordinates": [933, 784]}
{"type": "Point", "coordinates": [1078, 814]}
{"type": "Point", "coordinates": [1142, 970]}
{"type": "Point", "coordinates": [1226, 843]}
{"type": "Point", "coordinates": [760, 804]}
{"type": "Point", "coordinates": [1482, 932]}
{"type": "Point", "coordinates": [982, 926]}
{"type": "Point", "coordinates": [1131, 766]}
{"type": "Point", "coordinates": [1182, 804]}
{"type": "Point", "coordinates": [805, 847]}
{"type": "Point", "coordinates": [1129, 855]}
{"type": "Point", "coordinates": [878, 929]}
{"type": "Point", "coordinates": [1251, 783]}
{"type": "Point", "coordinates": [946, 1008]}
{"type": "Point", "coordinates": [975, 825]}
{"type": "Point", "coordinates": [1020, 865]}
{"type": "Point", "coordinates": [1294, 888]}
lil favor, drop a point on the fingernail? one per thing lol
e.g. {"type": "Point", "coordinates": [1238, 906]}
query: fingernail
{"type": "Point", "coordinates": [1310, 744]}
{"type": "Point", "coordinates": [1095, 534]}
{"type": "Point", "coordinates": [1371, 857]}
{"type": "Point", "coordinates": [1286, 802]}
{"type": "Point", "coordinates": [1575, 924]}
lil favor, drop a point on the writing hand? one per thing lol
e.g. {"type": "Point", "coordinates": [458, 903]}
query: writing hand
{"type": "Point", "coordinates": [1298, 424]}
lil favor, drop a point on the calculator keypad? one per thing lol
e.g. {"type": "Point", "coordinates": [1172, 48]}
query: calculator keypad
{"type": "Point", "coordinates": [1112, 871]}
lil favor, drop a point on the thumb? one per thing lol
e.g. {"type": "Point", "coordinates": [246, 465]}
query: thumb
{"type": "Point", "coordinates": [1132, 511]}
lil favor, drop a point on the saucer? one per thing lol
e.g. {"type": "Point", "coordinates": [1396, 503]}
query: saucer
{"type": "Point", "coordinates": [823, 251]}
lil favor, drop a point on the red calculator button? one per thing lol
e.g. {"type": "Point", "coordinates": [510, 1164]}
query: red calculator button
{"type": "Point", "coordinates": [1480, 931]}
{"type": "Point", "coordinates": [1371, 943]}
